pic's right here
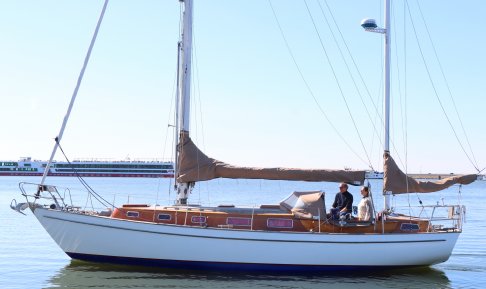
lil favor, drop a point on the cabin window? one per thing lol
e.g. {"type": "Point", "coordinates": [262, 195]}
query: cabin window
{"type": "Point", "coordinates": [164, 217]}
{"type": "Point", "coordinates": [280, 223]}
{"type": "Point", "coordinates": [238, 221]}
{"type": "Point", "coordinates": [198, 219]}
{"type": "Point", "coordinates": [133, 214]}
{"type": "Point", "coordinates": [409, 227]}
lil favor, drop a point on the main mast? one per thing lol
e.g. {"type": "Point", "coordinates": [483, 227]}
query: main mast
{"type": "Point", "coordinates": [370, 26]}
{"type": "Point", "coordinates": [184, 87]}
{"type": "Point", "coordinates": [186, 70]}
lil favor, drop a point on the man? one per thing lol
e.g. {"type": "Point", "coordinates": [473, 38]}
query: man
{"type": "Point", "coordinates": [343, 202]}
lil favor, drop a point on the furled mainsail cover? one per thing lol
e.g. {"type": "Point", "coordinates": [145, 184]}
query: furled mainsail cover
{"type": "Point", "coordinates": [395, 180]}
{"type": "Point", "coordinates": [195, 166]}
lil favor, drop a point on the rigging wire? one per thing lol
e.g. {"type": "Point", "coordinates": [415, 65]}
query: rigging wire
{"type": "Point", "coordinates": [337, 82]}
{"type": "Point", "coordinates": [402, 98]}
{"type": "Point", "coordinates": [402, 95]}
{"type": "Point", "coordinates": [448, 87]}
{"type": "Point", "coordinates": [437, 95]}
{"type": "Point", "coordinates": [90, 190]}
{"type": "Point", "coordinates": [177, 94]}
{"type": "Point", "coordinates": [196, 104]}
{"type": "Point", "coordinates": [170, 127]}
{"type": "Point", "coordinates": [309, 89]}
{"type": "Point", "coordinates": [76, 89]}
{"type": "Point", "coordinates": [377, 111]}
{"type": "Point", "coordinates": [375, 130]}
{"type": "Point", "coordinates": [58, 138]}
{"type": "Point", "coordinates": [350, 75]}
{"type": "Point", "coordinates": [405, 115]}
{"type": "Point", "coordinates": [197, 88]}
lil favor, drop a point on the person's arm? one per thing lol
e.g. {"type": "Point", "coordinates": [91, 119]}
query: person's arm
{"type": "Point", "coordinates": [343, 200]}
{"type": "Point", "coordinates": [367, 216]}
{"type": "Point", "coordinates": [348, 206]}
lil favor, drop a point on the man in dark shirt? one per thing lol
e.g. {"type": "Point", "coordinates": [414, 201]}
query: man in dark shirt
{"type": "Point", "coordinates": [343, 202]}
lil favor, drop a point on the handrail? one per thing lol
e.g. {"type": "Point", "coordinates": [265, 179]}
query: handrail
{"type": "Point", "coordinates": [454, 214]}
{"type": "Point", "coordinates": [52, 191]}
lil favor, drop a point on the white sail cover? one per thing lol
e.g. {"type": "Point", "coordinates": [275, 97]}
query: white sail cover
{"type": "Point", "coordinates": [194, 165]}
{"type": "Point", "coordinates": [398, 182]}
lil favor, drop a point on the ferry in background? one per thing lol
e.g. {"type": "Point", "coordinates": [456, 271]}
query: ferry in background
{"type": "Point", "coordinates": [101, 168]}
{"type": "Point", "coordinates": [89, 168]}
{"type": "Point", "coordinates": [374, 175]}
{"type": "Point", "coordinates": [369, 174]}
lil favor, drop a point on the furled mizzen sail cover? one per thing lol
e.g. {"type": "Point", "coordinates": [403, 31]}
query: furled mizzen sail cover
{"type": "Point", "coordinates": [195, 166]}
{"type": "Point", "coordinates": [395, 180]}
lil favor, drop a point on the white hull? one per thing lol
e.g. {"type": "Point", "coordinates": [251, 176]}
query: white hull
{"type": "Point", "coordinates": [111, 240]}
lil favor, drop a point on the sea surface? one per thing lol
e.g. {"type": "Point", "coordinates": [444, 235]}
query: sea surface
{"type": "Point", "coordinates": [30, 259]}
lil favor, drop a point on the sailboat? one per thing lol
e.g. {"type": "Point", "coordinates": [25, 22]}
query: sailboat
{"type": "Point", "coordinates": [295, 235]}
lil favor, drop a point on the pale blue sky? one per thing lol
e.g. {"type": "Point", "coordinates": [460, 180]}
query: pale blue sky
{"type": "Point", "coordinates": [250, 105]}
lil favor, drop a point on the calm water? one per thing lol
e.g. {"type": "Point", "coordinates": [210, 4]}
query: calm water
{"type": "Point", "coordinates": [30, 259]}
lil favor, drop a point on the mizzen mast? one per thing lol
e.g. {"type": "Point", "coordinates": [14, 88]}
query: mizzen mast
{"type": "Point", "coordinates": [370, 26]}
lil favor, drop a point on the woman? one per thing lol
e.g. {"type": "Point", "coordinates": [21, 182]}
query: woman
{"type": "Point", "coordinates": [364, 207]}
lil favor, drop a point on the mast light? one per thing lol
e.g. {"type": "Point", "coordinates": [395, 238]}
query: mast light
{"type": "Point", "coordinates": [368, 23]}
{"type": "Point", "coordinates": [370, 26]}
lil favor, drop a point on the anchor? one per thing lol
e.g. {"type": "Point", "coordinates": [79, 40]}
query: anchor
{"type": "Point", "coordinates": [18, 207]}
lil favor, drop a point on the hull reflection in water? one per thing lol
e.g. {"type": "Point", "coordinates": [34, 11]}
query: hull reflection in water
{"type": "Point", "coordinates": [79, 274]}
